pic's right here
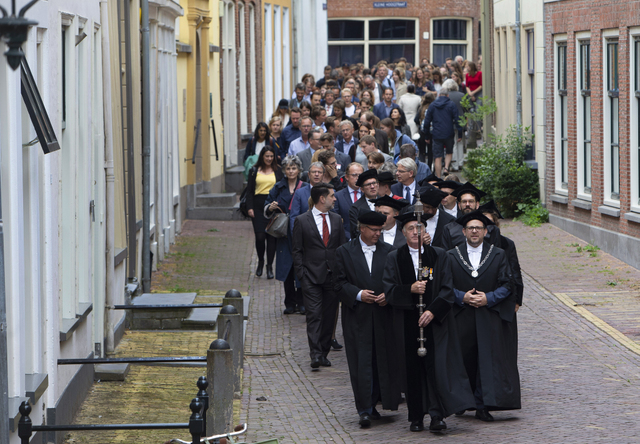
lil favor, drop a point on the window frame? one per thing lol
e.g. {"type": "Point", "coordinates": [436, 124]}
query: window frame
{"type": "Point", "coordinates": [366, 42]}
{"type": "Point", "coordinates": [468, 42]}
{"type": "Point", "coordinates": [560, 116]}
{"type": "Point", "coordinates": [584, 121]}
{"type": "Point", "coordinates": [611, 99]}
{"type": "Point", "coordinates": [634, 116]}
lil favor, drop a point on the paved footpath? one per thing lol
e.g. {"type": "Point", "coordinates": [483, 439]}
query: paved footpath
{"type": "Point", "coordinates": [579, 369]}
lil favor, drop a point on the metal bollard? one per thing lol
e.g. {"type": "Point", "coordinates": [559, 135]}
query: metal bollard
{"type": "Point", "coordinates": [196, 425]}
{"type": "Point", "coordinates": [204, 399]}
{"type": "Point", "coordinates": [234, 297]}
{"type": "Point", "coordinates": [220, 374]}
{"type": "Point", "coordinates": [230, 316]}
{"type": "Point", "coordinates": [25, 424]}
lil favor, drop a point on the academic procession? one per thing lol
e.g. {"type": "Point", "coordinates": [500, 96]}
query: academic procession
{"type": "Point", "coordinates": [354, 199]}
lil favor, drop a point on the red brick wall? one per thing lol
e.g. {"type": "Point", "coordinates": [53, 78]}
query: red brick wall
{"type": "Point", "coordinates": [571, 17]}
{"type": "Point", "coordinates": [424, 10]}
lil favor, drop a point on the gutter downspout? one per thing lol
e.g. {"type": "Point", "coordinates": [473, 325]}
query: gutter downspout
{"type": "Point", "coordinates": [146, 151]}
{"type": "Point", "coordinates": [109, 299]}
{"type": "Point", "coordinates": [518, 70]}
{"type": "Point", "coordinates": [4, 351]}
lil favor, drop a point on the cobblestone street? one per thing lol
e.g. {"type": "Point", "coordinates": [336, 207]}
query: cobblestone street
{"type": "Point", "coordinates": [578, 356]}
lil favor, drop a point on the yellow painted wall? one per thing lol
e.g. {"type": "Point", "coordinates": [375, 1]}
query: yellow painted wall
{"type": "Point", "coordinates": [217, 166]}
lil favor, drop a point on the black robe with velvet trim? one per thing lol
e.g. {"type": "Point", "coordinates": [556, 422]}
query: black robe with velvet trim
{"type": "Point", "coordinates": [443, 361]}
{"type": "Point", "coordinates": [495, 331]}
{"type": "Point", "coordinates": [368, 336]}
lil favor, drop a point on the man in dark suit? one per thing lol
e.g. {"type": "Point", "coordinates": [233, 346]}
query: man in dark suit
{"type": "Point", "coordinates": [347, 141]}
{"type": "Point", "coordinates": [316, 236]}
{"type": "Point", "coordinates": [383, 109]}
{"type": "Point", "coordinates": [391, 230]}
{"type": "Point", "coordinates": [358, 282]}
{"type": "Point", "coordinates": [406, 175]}
{"type": "Point", "coordinates": [300, 201]}
{"type": "Point", "coordinates": [431, 198]}
{"type": "Point", "coordinates": [484, 312]}
{"type": "Point", "coordinates": [368, 184]}
{"type": "Point", "coordinates": [314, 145]}
{"type": "Point", "coordinates": [349, 195]}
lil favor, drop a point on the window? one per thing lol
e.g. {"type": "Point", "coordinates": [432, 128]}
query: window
{"type": "Point", "coordinates": [370, 40]}
{"type": "Point", "coordinates": [450, 38]}
{"type": "Point", "coordinates": [561, 111]}
{"type": "Point", "coordinates": [242, 68]}
{"type": "Point", "coordinates": [584, 126]}
{"type": "Point", "coordinates": [611, 116]}
{"type": "Point", "coordinates": [531, 70]}
{"type": "Point", "coordinates": [636, 109]}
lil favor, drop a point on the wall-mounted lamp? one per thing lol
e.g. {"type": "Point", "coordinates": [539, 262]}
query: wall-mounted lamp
{"type": "Point", "coordinates": [13, 31]}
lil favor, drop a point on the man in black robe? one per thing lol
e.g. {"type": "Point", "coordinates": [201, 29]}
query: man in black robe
{"type": "Point", "coordinates": [368, 184]}
{"type": "Point", "coordinates": [436, 383]}
{"type": "Point", "coordinates": [437, 220]}
{"type": "Point", "coordinates": [358, 282]}
{"type": "Point", "coordinates": [484, 310]}
{"type": "Point", "coordinates": [468, 200]}
{"type": "Point", "coordinates": [390, 207]}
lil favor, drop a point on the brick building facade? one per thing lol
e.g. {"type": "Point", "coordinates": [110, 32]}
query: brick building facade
{"type": "Point", "coordinates": [367, 31]}
{"type": "Point", "coordinates": [592, 112]}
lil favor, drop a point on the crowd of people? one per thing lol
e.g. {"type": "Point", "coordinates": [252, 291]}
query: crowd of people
{"type": "Point", "coordinates": [360, 163]}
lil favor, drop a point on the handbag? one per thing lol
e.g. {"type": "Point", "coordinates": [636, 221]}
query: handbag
{"type": "Point", "coordinates": [278, 225]}
{"type": "Point", "coordinates": [243, 203]}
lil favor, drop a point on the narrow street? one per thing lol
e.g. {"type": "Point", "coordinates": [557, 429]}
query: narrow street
{"type": "Point", "coordinates": [578, 355]}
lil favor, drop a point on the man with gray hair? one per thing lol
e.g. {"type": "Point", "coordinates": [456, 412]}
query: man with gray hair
{"type": "Point", "coordinates": [440, 124]}
{"type": "Point", "coordinates": [347, 141]}
{"type": "Point", "coordinates": [314, 145]}
{"type": "Point", "coordinates": [406, 175]}
{"type": "Point", "coordinates": [456, 97]}
{"type": "Point", "coordinates": [409, 151]}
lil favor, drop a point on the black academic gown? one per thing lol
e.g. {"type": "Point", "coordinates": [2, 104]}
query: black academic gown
{"type": "Point", "coordinates": [359, 207]}
{"type": "Point", "coordinates": [443, 363]}
{"type": "Point", "coordinates": [368, 337]}
{"type": "Point", "coordinates": [444, 219]}
{"type": "Point", "coordinates": [452, 235]}
{"type": "Point", "coordinates": [487, 334]}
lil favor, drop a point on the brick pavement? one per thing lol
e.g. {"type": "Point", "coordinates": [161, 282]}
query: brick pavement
{"type": "Point", "coordinates": [572, 371]}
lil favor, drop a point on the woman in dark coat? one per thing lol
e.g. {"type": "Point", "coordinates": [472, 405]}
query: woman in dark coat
{"type": "Point", "coordinates": [280, 197]}
{"type": "Point", "coordinates": [261, 138]}
{"type": "Point", "coordinates": [262, 177]}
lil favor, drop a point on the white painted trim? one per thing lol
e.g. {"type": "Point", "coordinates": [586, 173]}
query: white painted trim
{"type": "Point", "coordinates": [580, 136]}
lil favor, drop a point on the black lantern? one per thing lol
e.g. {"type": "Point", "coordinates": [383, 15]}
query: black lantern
{"type": "Point", "coordinates": [13, 31]}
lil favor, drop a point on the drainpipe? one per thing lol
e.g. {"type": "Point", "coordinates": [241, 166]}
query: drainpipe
{"type": "Point", "coordinates": [4, 352]}
{"type": "Point", "coordinates": [109, 299]}
{"type": "Point", "coordinates": [146, 151]}
{"type": "Point", "coordinates": [518, 70]}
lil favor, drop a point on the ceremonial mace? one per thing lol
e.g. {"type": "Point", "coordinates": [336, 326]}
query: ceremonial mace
{"type": "Point", "coordinates": [418, 210]}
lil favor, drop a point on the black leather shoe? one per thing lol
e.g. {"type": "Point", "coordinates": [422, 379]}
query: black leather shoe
{"type": "Point", "coordinates": [335, 345]}
{"type": "Point", "coordinates": [375, 414]}
{"type": "Point", "coordinates": [484, 415]}
{"type": "Point", "coordinates": [259, 269]}
{"type": "Point", "coordinates": [460, 413]}
{"type": "Point", "coordinates": [269, 271]}
{"type": "Point", "coordinates": [437, 424]}
{"type": "Point", "coordinates": [315, 363]}
{"type": "Point", "coordinates": [417, 426]}
{"type": "Point", "coordinates": [302, 310]}
{"type": "Point", "coordinates": [365, 420]}
{"type": "Point", "coordinates": [325, 362]}
{"type": "Point", "coordinates": [289, 310]}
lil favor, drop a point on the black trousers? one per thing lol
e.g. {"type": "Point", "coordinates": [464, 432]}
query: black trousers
{"type": "Point", "coordinates": [321, 303]}
{"type": "Point", "coordinates": [466, 322]}
{"type": "Point", "coordinates": [292, 296]}
{"type": "Point", "coordinates": [421, 394]}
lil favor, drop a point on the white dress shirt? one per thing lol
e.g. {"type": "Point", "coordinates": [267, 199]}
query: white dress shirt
{"type": "Point", "coordinates": [415, 258]}
{"type": "Point", "coordinates": [431, 225]}
{"type": "Point", "coordinates": [317, 216]}
{"type": "Point", "coordinates": [368, 255]}
{"type": "Point", "coordinates": [453, 211]}
{"type": "Point", "coordinates": [389, 236]}
{"type": "Point", "coordinates": [351, 190]}
{"type": "Point", "coordinates": [475, 254]}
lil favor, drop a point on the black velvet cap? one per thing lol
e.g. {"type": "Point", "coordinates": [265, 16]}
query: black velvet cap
{"type": "Point", "coordinates": [431, 195]}
{"type": "Point", "coordinates": [386, 178]}
{"type": "Point", "coordinates": [491, 207]}
{"type": "Point", "coordinates": [408, 217]}
{"type": "Point", "coordinates": [474, 215]}
{"type": "Point", "coordinates": [468, 188]}
{"type": "Point", "coordinates": [369, 174]}
{"type": "Point", "coordinates": [452, 184]}
{"type": "Point", "coordinates": [372, 218]}
{"type": "Point", "coordinates": [430, 178]}
{"type": "Point", "coordinates": [388, 201]}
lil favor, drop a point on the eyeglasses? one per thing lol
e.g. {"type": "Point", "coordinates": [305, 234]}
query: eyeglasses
{"type": "Point", "coordinates": [401, 172]}
{"type": "Point", "coordinates": [372, 184]}
{"type": "Point", "coordinates": [354, 174]}
{"type": "Point", "coordinates": [375, 230]}
{"type": "Point", "coordinates": [474, 228]}
{"type": "Point", "coordinates": [413, 228]}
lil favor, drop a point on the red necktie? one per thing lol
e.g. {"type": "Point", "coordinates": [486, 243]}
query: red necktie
{"type": "Point", "coordinates": [325, 230]}
{"type": "Point", "coordinates": [355, 196]}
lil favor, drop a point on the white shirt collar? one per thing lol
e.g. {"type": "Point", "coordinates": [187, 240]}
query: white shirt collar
{"type": "Point", "coordinates": [316, 212]}
{"type": "Point", "coordinates": [471, 249]}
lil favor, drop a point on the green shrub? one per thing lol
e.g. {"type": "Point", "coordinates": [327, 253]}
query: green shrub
{"type": "Point", "coordinates": [533, 214]}
{"type": "Point", "coordinates": [498, 169]}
